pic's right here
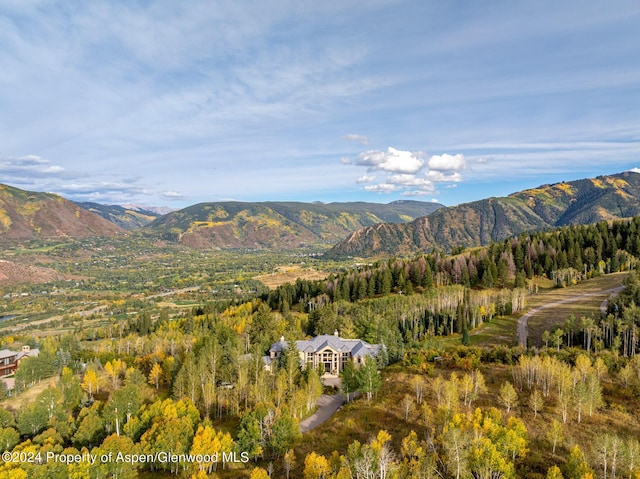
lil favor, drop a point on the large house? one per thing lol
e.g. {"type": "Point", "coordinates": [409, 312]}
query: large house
{"type": "Point", "coordinates": [9, 360]}
{"type": "Point", "coordinates": [329, 352]}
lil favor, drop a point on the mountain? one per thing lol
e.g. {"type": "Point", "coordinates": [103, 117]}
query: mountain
{"type": "Point", "coordinates": [129, 217]}
{"type": "Point", "coordinates": [12, 273]}
{"type": "Point", "coordinates": [278, 225]}
{"type": "Point", "coordinates": [26, 215]}
{"type": "Point", "coordinates": [494, 219]}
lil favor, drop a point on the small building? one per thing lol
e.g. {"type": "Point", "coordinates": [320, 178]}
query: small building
{"type": "Point", "coordinates": [328, 352]}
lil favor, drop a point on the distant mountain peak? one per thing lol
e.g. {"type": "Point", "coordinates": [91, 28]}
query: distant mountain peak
{"type": "Point", "coordinates": [160, 210]}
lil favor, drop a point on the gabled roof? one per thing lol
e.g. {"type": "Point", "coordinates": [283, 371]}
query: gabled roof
{"type": "Point", "coordinates": [31, 353]}
{"type": "Point", "coordinates": [5, 353]}
{"type": "Point", "coordinates": [356, 347]}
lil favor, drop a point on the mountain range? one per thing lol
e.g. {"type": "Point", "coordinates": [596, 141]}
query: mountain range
{"type": "Point", "coordinates": [27, 215]}
{"type": "Point", "coordinates": [493, 219]}
{"type": "Point", "coordinates": [278, 225]}
{"type": "Point", "coordinates": [355, 229]}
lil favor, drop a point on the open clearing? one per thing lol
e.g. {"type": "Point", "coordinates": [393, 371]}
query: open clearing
{"type": "Point", "coordinates": [289, 274]}
{"type": "Point", "coordinates": [583, 299]}
{"type": "Point", "coordinates": [588, 297]}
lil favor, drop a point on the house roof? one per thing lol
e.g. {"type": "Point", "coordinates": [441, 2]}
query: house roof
{"type": "Point", "coordinates": [357, 347]}
{"type": "Point", "coordinates": [5, 353]}
{"type": "Point", "coordinates": [31, 353]}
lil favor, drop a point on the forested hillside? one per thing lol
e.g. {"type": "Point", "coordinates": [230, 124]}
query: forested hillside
{"type": "Point", "coordinates": [129, 218]}
{"type": "Point", "coordinates": [494, 219]}
{"type": "Point", "coordinates": [278, 225]}
{"type": "Point", "coordinates": [27, 215]}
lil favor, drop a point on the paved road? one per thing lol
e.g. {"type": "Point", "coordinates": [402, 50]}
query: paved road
{"type": "Point", "coordinates": [523, 330]}
{"type": "Point", "coordinates": [327, 406]}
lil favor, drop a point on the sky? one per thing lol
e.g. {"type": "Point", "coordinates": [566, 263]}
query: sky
{"type": "Point", "coordinates": [174, 103]}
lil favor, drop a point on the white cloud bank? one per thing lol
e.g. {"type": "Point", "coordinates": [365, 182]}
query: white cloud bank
{"type": "Point", "coordinates": [408, 172]}
{"type": "Point", "coordinates": [447, 162]}
{"type": "Point", "coordinates": [392, 160]}
{"type": "Point", "coordinates": [26, 167]}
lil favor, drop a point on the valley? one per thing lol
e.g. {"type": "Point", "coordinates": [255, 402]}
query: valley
{"type": "Point", "coordinates": [146, 344]}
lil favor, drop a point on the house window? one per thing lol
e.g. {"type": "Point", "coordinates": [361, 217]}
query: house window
{"type": "Point", "coordinates": [327, 360]}
{"type": "Point", "coordinates": [345, 358]}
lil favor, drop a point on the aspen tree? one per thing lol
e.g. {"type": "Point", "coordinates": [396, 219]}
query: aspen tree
{"type": "Point", "coordinates": [508, 396]}
{"type": "Point", "coordinates": [536, 402]}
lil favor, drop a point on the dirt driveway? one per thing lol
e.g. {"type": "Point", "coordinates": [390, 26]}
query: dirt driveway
{"type": "Point", "coordinates": [523, 330]}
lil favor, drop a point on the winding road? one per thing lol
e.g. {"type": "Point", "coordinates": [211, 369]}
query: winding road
{"type": "Point", "coordinates": [523, 329]}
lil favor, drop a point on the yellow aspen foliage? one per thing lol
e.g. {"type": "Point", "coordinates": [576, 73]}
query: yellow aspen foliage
{"type": "Point", "coordinates": [486, 461]}
{"type": "Point", "coordinates": [208, 441]}
{"type": "Point", "coordinates": [554, 473]}
{"type": "Point", "coordinates": [168, 366]}
{"type": "Point", "coordinates": [381, 439]}
{"type": "Point", "coordinates": [114, 370]}
{"type": "Point", "coordinates": [90, 383]}
{"type": "Point", "coordinates": [7, 472]}
{"type": "Point", "coordinates": [576, 465]}
{"type": "Point", "coordinates": [316, 466]}
{"type": "Point", "coordinates": [155, 375]}
{"type": "Point", "coordinates": [411, 447]}
{"type": "Point", "coordinates": [258, 473]}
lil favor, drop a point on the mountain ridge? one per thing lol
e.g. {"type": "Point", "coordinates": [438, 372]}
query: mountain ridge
{"type": "Point", "coordinates": [477, 223]}
{"type": "Point", "coordinates": [278, 224]}
{"type": "Point", "coordinates": [128, 217]}
{"type": "Point", "coordinates": [27, 215]}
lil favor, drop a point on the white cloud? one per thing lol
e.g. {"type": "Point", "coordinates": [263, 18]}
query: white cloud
{"type": "Point", "coordinates": [365, 179]}
{"type": "Point", "coordinates": [355, 137]}
{"type": "Point", "coordinates": [383, 188]}
{"type": "Point", "coordinates": [345, 161]}
{"type": "Point", "coordinates": [392, 160]}
{"type": "Point", "coordinates": [172, 195]}
{"type": "Point", "coordinates": [635, 170]}
{"type": "Point", "coordinates": [411, 185]}
{"type": "Point", "coordinates": [411, 181]}
{"type": "Point", "coordinates": [28, 167]}
{"type": "Point", "coordinates": [447, 162]}
{"type": "Point", "coordinates": [443, 177]}
{"type": "Point", "coordinates": [403, 170]}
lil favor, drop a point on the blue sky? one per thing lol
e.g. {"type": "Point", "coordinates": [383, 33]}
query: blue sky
{"type": "Point", "coordinates": [175, 103]}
